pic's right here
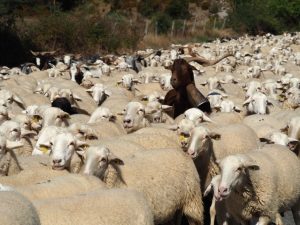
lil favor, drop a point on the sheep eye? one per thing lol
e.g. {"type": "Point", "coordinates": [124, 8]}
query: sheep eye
{"type": "Point", "coordinates": [102, 160]}
{"type": "Point", "coordinates": [239, 169]}
{"type": "Point", "coordinates": [14, 130]}
{"type": "Point", "coordinates": [71, 144]}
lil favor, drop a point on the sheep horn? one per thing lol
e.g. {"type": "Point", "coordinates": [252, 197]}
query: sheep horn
{"type": "Point", "coordinates": [205, 62]}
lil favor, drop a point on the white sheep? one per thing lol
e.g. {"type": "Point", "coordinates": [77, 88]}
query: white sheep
{"type": "Point", "coordinates": [16, 209]}
{"type": "Point", "coordinates": [102, 207]}
{"type": "Point", "coordinates": [206, 146]}
{"type": "Point", "coordinates": [250, 185]}
{"type": "Point", "coordinates": [147, 180]}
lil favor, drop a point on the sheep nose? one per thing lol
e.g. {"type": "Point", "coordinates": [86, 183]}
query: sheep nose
{"type": "Point", "coordinates": [223, 190]}
{"type": "Point", "coordinates": [127, 120]}
{"type": "Point", "coordinates": [56, 161]}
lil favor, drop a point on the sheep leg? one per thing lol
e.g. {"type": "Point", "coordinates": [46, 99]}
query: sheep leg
{"type": "Point", "coordinates": [263, 220]}
{"type": "Point", "coordinates": [296, 212]}
{"type": "Point", "coordinates": [278, 219]}
{"type": "Point", "coordinates": [212, 211]}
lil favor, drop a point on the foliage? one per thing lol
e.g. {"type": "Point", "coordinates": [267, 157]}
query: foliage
{"type": "Point", "coordinates": [163, 22]}
{"type": "Point", "coordinates": [256, 16]}
{"type": "Point", "coordinates": [178, 9]}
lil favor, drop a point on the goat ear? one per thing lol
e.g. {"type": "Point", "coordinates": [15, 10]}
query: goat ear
{"type": "Point", "coordinates": [112, 158]}
{"type": "Point", "coordinates": [13, 144]}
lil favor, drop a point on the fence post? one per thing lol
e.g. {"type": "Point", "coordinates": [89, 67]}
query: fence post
{"type": "Point", "coordinates": [214, 23]}
{"type": "Point", "coordinates": [224, 22]}
{"type": "Point", "coordinates": [156, 28]}
{"type": "Point", "coordinates": [194, 24]}
{"type": "Point", "coordinates": [146, 27]}
{"type": "Point", "coordinates": [172, 28]}
{"type": "Point", "coordinates": [183, 28]}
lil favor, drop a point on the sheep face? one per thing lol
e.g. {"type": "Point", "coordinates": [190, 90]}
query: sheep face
{"type": "Point", "coordinates": [82, 132]}
{"type": "Point", "coordinates": [63, 146]}
{"type": "Point", "coordinates": [293, 128]}
{"type": "Point", "coordinates": [99, 93]}
{"type": "Point", "coordinates": [134, 116]}
{"type": "Point", "coordinates": [184, 129]}
{"type": "Point", "coordinates": [55, 116]}
{"type": "Point", "coordinates": [154, 111]}
{"type": "Point", "coordinates": [8, 98]}
{"type": "Point", "coordinates": [128, 81]}
{"type": "Point", "coordinates": [97, 160]}
{"type": "Point", "coordinates": [12, 130]}
{"type": "Point", "coordinates": [233, 172]}
{"type": "Point", "coordinates": [165, 82]}
{"type": "Point", "coordinates": [200, 141]}
{"type": "Point", "coordinates": [257, 104]}
{"type": "Point", "coordinates": [196, 115]}
{"type": "Point", "coordinates": [215, 98]}
{"type": "Point", "coordinates": [102, 114]}
{"type": "Point", "coordinates": [3, 114]}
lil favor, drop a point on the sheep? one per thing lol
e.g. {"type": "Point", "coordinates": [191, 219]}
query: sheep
{"type": "Point", "coordinates": [250, 185]}
{"type": "Point", "coordinates": [236, 138]}
{"type": "Point", "coordinates": [154, 112]}
{"type": "Point", "coordinates": [3, 114]}
{"type": "Point", "coordinates": [100, 114]}
{"type": "Point", "coordinates": [128, 81]}
{"type": "Point", "coordinates": [54, 116]}
{"type": "Point", "coordinates": [134, 117]}
{"type": "Point", "coordinates": [282, 139]}
{"type": "Point", "coordinates": [9, 164]}
{"type": "Point", "coordinates": [63, 146]}
{"type": "Point", "coordinates": [72, 184]}
{"type": "Point", "coordinates": [63, 104]}
{"type": "Point", "coordinates": [228, 106]}
{"type": "Point", "coordinates": [258, 103]}
{"type": "Point", "coordinates": [215, 98]}
{"type": "Point", "coordinates": [99, 93]}
{"type": "Point", "coordinates": [187, 200]}
{"type": "Point", "coordinates": [293, 128]}
{"type": "Point", "coordinates": [16, 209]}
{"type": "Point", "coordinates": [113, 206]}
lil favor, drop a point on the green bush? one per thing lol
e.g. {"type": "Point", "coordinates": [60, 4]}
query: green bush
{"type": "Point", "coordinates": [256, 16]}
{"type": "Point", "coordinates": [163, 21]}
{"type": "Point", "coordinates": [178, 9]}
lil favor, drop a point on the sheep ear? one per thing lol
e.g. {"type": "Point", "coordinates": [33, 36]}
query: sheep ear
{"type": "Point", "coordinates": [237, 109]}
{"type": "Point", "coordinates": [206, 118]}
{"type": "Point", "coordinates": [13, 144]}
{"type": "Point", "coordinates": [107, 93]}
{"type": "Point", "coordinates": [114, 159]}
{"type": "Point", "coordinates": [250, 164]}
{"type": "Point", "coordinates": [81, 145]}
{"type": "Point", "coordinates": [264, 139]}
{"type": "Point", "coordinates": [65, 115]}
{"type": "Point", "coordinates": [121, 113]}
{"type": "Point", "coordinates": [247, 101]}
{"type": "Point", "coordinates": [173, 127]}
{"type": "Point", "coordinates": [27, 133]}
{"type": "Point", "coordinates": [19, 101]}
{"type": "Point", "coordinates": [76, 97]}
{"type": "Point", "coordinates": [204, 83]}
{"type": "Point", "coordinates": [89, 90]}
{"type": "Point", "coordinates": [119, 82]}
{"type": "Point", "coordinates": [285, 129]}
{"type": "Point", "coordinates": [208, 190]}
{"type": "Point", "coordinates": [214, 135]}
{"type": "Point", "coordinates": [112, 118]}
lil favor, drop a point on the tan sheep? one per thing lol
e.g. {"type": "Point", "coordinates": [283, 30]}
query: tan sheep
{"type": "Point", "coordinates": [101, 207]}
